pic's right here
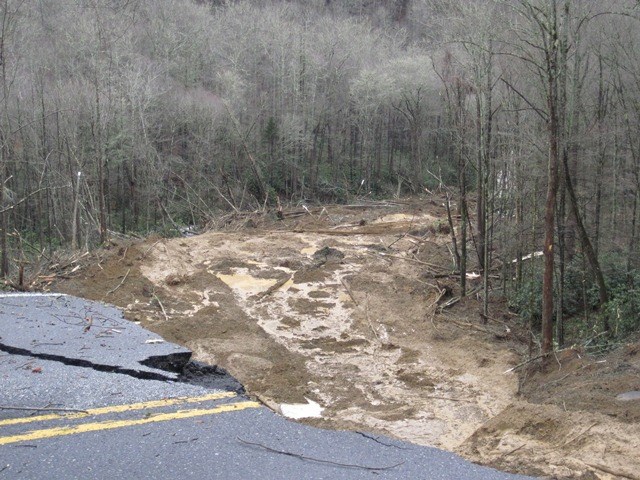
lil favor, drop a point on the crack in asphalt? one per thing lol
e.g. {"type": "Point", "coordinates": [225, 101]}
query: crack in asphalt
{"type": "Point", "coordinates": [377, 440]}
{"type": "Point", "coordinates": [77, 362]}
{"type": "Point", "coordinates": [190, 372]}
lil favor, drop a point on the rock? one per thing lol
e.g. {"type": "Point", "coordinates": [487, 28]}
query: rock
{"type": "Point", "coordinates": [328, 255]}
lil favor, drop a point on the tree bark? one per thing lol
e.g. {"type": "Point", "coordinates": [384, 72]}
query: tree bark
{"type": "Point", "coordinates": [549, 226]}
{"type": "Point", "coordinates": [587, 247]}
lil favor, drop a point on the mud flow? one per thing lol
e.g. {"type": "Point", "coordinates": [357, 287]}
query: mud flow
{"type": "Point", "coordinates": [336, 316]}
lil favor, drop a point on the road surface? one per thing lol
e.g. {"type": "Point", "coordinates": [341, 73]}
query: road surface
{"type": "Point", "coordinates": [87, 394]}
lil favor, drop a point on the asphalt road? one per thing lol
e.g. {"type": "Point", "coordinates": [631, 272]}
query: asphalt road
{"type": "Point", "coordinates": [87, 394]}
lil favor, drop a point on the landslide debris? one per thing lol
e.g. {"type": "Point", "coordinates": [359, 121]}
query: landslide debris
{"type": "Point", "coordinates": [343, 306]}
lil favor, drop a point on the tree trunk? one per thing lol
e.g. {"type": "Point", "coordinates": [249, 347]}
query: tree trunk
{"type": "Point", "coordinates": [587, 247]}
{"type": "Point", "coordinates": [4, 260]}
{"type": "Point", "coordinates": [480, 210]}
{"type": "Point", "coordinates": [463, 224]}
{"type": "Point", "coordinates": [75, 221]}
{"type": "Point", "coordinates": [549, 227]}
{"type": "Point", "coordinates": [562, 254]}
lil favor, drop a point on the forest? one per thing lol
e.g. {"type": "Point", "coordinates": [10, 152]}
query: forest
{"type": "Point", "coordinates": [126, 117]}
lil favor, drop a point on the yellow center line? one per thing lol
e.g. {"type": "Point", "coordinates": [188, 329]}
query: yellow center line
{"type": "Point", "coordinates": [118, 408]}
{"type": "Point", "coordinates": [112, 424]}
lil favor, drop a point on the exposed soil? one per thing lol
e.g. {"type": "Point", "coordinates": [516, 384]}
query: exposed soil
{"type": "Point", "coordinates": [343, 306]}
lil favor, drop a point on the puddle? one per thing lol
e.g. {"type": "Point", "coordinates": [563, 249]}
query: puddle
{"type": "Point", "coordinates": [311, 248]}
{"type": "Point", "coordinates": [395, 217]}
{"type": "Point", "coordinates": [402, 217]}
{"type": "Point", "coordinates": [629, 396]}
{"type": "Point", "coordinates": [245, 283]}
{"type": "Point", "coordinates": [297, 411]}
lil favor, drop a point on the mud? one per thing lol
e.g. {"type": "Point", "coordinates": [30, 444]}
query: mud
{"type": "Point", "coordinates": [340, 306]}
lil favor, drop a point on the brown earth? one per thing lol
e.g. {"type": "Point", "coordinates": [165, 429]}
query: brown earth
{"type": "Point", "coordinates": [350, 307]}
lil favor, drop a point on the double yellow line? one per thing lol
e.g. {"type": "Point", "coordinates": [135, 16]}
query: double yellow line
{"type": "Point", "coordinates": [113, 424]}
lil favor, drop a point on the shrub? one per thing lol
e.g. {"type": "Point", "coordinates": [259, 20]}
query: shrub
{"type": "Point", "coordinates": [581, 294]}
{"type": "Point", "coordinates": [527, 301]}
{"type": "Point", "coordinates": [623, 307]}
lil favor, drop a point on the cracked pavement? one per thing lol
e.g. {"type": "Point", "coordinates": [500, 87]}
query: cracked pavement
{"type": "Point", "coordinates": [91, 334]}
{"type": "Point", "coordinates": [87, 394]}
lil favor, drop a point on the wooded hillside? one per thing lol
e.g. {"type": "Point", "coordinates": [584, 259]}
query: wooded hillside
{"type": "Point", "coordinates": [139, 116]}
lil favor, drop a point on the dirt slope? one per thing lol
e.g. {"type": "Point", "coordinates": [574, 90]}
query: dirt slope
{"type": "Point", "coordinates": [342, 306]}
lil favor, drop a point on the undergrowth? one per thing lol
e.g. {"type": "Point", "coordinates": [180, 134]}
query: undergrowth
{"type": "Point", "coordinates": [584, 318]}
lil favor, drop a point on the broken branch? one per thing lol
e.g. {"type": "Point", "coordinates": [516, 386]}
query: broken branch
{"type": "Point", "coordinates": [366, 313]}
{"type": "Point", "coordinates": [537, 357]}
{"type": "Point", "coordinates": [441, 293]}
{"type": "Point", "coordinates": [120, 284]}
{"type": "Point", "coordinates": [451, 302]}
{"type": "Point", "coordinates": [532, 359]}
{"type": "Point", "coordinates": [451, 399]}
{"type": "Point", "coordinates": [514, 450]}
{"type": "Point", "coordinates": [579, 435]}
{"type": "Point", "coordinates": [407, 259]}
{"type": "Point", "coordinates": [164, 312]}
{"type": "Point", "coordinates": [149, 249]}
{"type": "Point", "coordinates": [349, 291]}
{"type": "Point", "coordinates": [273, 288]}
{"type": "Point", "coordinates": [611, 471]}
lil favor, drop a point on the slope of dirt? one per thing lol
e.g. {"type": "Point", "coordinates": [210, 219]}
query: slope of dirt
{"type": "Point", "coordinates": [582, 419]}
{"type": "Point", "coordinates": [342, 306]}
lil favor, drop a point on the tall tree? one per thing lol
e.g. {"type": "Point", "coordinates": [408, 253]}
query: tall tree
{"type": "Point", "coordinates": [543, 46]}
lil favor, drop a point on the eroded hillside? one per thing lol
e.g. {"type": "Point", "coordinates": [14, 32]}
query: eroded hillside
{"type": "Point", "coordinates": [353, 307]}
